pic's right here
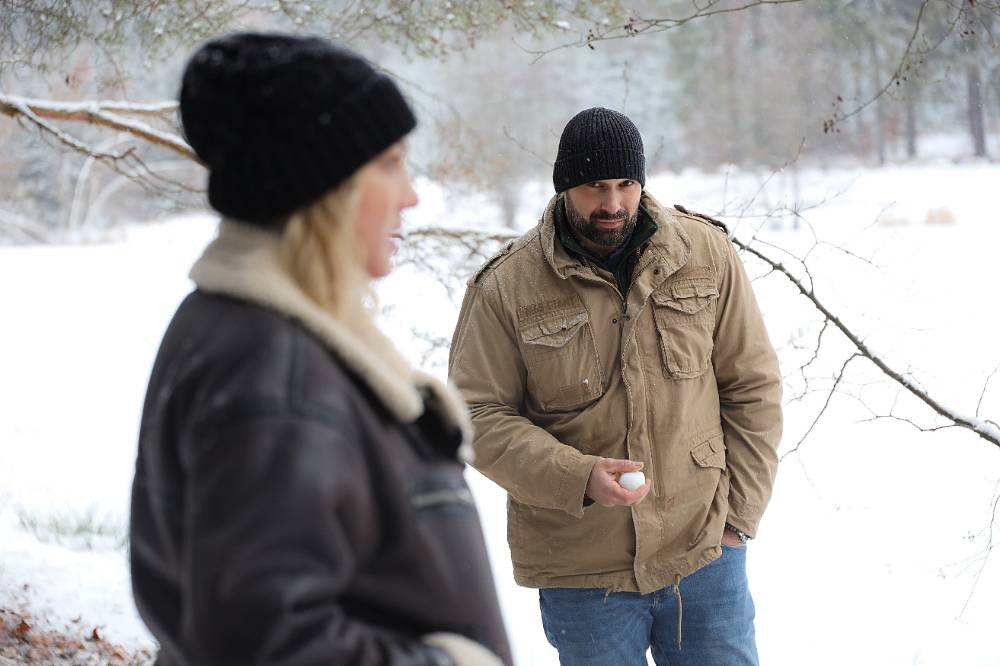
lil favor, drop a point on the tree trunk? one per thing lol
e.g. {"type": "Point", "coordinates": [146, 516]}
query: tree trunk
{"type": "Point", "coordinates": [976, 125]}
{"type": "Point", "coordinates": [911, 123]}
{"type": "Point", "coordinates": [879, 112]}
{"type": "Point", "coordinates": [732, 81]}
{"type": "Point", "coordinates": [757, 146]}
{"type": "Point", "coordinates": [862, 141]}
{"type": "Point", "coordinates": [996, 88]}
{"type": "Point", "coordinates": [507, 196]}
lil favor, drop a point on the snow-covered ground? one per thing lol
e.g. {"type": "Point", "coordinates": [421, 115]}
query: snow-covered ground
{"type": "Point", "coordinates": [873, 550]}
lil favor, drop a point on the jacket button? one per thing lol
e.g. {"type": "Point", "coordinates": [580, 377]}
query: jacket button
{"type": "Point", "coordinates": [656, 271]}
{"type": "Point", "coordinates": [615, 320]}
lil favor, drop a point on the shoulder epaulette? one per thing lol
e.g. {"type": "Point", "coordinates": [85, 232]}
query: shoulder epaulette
{"type": "Point", "coordinates": [493, 261]}
{"type": "Point", "coordinates": [703, 217]}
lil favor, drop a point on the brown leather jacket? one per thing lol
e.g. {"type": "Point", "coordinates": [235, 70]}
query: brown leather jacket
{"type": "Point", "coordinates": [294, 503]}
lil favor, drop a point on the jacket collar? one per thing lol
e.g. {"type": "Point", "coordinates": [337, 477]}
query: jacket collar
{"type": "Point", "coordinates": [243, 262]}
{"type": "Point", "coordinates": [670, 246]}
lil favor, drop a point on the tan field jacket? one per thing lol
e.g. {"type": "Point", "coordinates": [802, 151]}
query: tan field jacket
{"type": "Point", "coordinates": [559, 370]}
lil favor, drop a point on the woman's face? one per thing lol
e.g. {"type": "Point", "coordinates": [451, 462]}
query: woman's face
{"type": "Point", "coordinates": [384, 191]}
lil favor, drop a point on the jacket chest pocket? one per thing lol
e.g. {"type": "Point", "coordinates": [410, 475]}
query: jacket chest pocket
{"type": "Point", "coordinates": [564, 370]}
{"type": "Point", "coordinates": [685, 324]}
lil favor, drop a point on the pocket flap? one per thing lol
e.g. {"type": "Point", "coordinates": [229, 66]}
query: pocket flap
{"type": "Point", "coordinates": [700, 288]}
{"type": "Point", "coordinates": [710, 453]}
{"type": "Point", "coordinates": [554, 332]}
{"type": "Point", "coordinates": [688, 296]}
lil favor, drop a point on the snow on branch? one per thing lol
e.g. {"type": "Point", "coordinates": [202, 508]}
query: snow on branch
{"type": "Point", "coordinates": [14, 107]}
{"type": "Point", "coordinates": [103, 114]}
{"type": "Point", "coordinates": [130, 108]}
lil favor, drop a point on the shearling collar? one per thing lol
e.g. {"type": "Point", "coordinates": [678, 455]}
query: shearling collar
{"type": "Point", "coordinates": [243, 262]}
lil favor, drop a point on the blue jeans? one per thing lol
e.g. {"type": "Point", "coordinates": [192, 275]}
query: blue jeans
{"type": "Point", "coordinates": [590, 627]}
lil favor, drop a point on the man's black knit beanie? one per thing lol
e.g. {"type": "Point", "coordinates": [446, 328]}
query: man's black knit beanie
{"type": "Point", "coordinates": [279, 120]}
{"type": "Point", "coordinates": [598, 144]}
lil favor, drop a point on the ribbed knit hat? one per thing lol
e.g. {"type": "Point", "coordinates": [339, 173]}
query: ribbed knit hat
{"type": "Point", "coordinates": [598, 144]}
{"type": "Point", "coordinates": [279, 120]}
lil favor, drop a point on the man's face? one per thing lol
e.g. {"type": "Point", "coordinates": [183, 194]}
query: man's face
{"type": "Point", "coordinates": [603, 213]}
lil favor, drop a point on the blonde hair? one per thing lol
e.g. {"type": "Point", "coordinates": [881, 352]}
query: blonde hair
{"type": "Point", "coordinates": [320, 250]}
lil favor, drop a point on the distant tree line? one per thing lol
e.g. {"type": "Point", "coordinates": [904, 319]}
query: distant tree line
{"type": "Point", "coordinates": [751, 83]}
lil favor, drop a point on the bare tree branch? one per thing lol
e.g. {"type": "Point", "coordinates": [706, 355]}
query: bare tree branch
{"type": "Point", "coordinates": [451, 254]}
{"type": "Point", "coordinates": [95, 113]}
{"type": "Point", "coordinates": [819, 343]}
{"type": "Point", "coordinates": [519, 144]}
{"type": "Point", "coordinates": [908, 421]}
{"type": "Point", "coordinates": [636, 25]}
{"type": "Point", "coordinates": [898, 75]}
{"type": "Point", "coordinates": [983, 428]}
{"type": "Point", "coordinates": [985, 555]}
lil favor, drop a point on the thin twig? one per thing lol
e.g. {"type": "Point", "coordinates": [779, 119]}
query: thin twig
{"type": "Point", "coordinates": [986, 385]}
{"type": "Point", "coordinates": [822, 411]}
{"type": "Point", "coordinates": [986, 557]}
{"type": "Point", "coordinates": [636, 26]}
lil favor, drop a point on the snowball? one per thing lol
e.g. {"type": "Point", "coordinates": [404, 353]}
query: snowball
{"type": "Point", "coordinates": [632, 480]}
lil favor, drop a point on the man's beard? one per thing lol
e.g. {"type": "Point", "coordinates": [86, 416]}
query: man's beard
{"type": "Point", "coordinates": [606, 238]}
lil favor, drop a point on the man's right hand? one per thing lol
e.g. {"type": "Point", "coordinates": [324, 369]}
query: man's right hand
{"type": "Point", "coordinates": [603, 486]}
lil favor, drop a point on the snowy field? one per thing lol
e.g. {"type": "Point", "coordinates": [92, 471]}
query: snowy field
{"type": "Point", "coordinates": [876, 547]}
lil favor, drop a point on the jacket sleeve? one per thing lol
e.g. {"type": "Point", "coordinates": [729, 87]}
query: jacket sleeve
{"type": "Point", "coordinates": [271, 550]}
{"type": "Point", "coordinates": [746, 371]}
{"type": "Point", "coordinates": [485, 363]}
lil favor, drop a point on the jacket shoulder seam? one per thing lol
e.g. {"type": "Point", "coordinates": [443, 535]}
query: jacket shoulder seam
{"type": "Point", "coordinates": [509, 249]}
{"type": "Point", "coordinates": [718, 225]}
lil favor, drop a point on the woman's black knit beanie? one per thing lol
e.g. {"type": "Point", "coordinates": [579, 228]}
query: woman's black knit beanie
{"type": "Point", "coordinates": [598, 144]}
{"type": "Point", "coordinates": [279, 120]}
